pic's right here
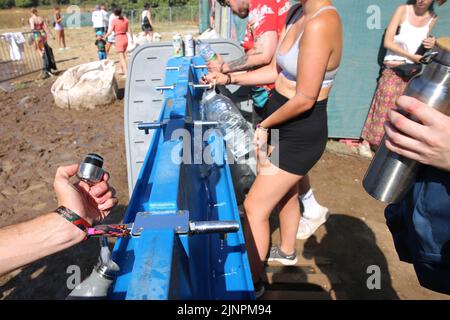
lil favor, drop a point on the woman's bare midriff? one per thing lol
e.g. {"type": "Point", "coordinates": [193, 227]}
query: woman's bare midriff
{"type": "Point", "coordinates": [393, 63]}
{"type": "Point", "coordinates": [287, 88]}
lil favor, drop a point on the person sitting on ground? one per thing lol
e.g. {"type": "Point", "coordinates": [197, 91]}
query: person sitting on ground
{"type": "Point", "coordinates": [101, 46]}
{"type": "Point", "coordinates": [79, 206]}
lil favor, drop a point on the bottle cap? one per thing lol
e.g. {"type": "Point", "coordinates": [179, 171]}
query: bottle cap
{"type": "Point", "coordinates": [210, 94]}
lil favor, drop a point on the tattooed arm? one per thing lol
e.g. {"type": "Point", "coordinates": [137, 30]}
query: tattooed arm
{"type": "Point", "coordinates": [260, 55]}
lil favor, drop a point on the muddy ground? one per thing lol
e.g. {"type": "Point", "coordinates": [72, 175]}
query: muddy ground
{"type": "Point", "coordinates": [36, 137]}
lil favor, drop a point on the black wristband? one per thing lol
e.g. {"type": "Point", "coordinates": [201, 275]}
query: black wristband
{"type": "Point", "coordinates": [229, 78]}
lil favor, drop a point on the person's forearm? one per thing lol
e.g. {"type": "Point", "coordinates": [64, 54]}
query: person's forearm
{"type": "Point", "coordinates": [32, 240]}
{"type": "Point", "coordinates": [246, 62]}
{"type": "Point", "coordinates": [108, 33]}
{"type": "Point", "coordinates": [289, 110]}
{"type": "Point", "coordinates": [398, 50]}
{"type": "Point", "coordinates": [261, 76]}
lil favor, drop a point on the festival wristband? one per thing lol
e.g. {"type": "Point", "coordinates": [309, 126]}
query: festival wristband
{"type": "Point", "coordinates": [73, 218]}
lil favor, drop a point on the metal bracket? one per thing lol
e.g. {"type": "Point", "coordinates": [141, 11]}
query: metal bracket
{"type": "Point", "coordinates": [146, 126]}
{"type": "Point", "coordinates": [179, 222]}
{"type": "Point", "coordinates": [201, 86]}
{"type": "Point", "coordinates": [162, 88]}
{"type": "Point", "coordinates": [199, 66]}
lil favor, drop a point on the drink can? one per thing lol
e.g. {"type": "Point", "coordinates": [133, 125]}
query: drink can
{"type": "Point", "coordinates": [177, 46]}
{"type": "Point", "coordinates": [188, 45]}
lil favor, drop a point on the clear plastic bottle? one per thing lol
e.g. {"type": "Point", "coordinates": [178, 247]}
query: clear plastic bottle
{"type": "Point", "coordinates": [237, 132]}
{"type": "Point", "coordinates": [205, 51]}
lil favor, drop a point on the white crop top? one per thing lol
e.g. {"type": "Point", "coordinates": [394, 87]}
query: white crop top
{"type": "Point", "coordinates": [409, 38]}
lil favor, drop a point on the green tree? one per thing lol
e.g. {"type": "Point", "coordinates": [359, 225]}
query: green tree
{"type": "Point", "coordinates": [5, 4]}
{"type": "Point", "coordinates": [26, 3]}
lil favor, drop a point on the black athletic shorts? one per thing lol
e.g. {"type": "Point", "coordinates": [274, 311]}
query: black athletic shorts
{"type": "Point", "coordinates": [302, 140]}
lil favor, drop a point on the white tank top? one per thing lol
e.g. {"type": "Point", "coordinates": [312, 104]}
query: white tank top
{"type": "Point", "coordinates": [410, 38]}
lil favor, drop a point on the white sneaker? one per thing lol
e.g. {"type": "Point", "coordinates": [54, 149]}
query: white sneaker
{"type": "Point", "coordinates": [307, 227]}
{"type": "Point", "coordinates": [279, 256]}
{"type": "Point", "coordinates": [364, 151]}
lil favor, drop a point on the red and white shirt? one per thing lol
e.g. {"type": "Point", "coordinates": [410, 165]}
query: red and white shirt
{"type": "Point", "coordinates": [264, 15]}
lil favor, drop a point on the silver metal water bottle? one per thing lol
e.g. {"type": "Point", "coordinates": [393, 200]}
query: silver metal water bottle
{"type": "Point", "coordinates": [390, 176]}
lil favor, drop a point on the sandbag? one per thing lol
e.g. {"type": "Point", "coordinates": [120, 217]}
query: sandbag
{"type": "Point", "coordinates": [86, 86]}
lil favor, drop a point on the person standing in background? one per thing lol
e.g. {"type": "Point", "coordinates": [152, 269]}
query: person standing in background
{"type": "Point", "coordinates": [97, 20]}
{"type": "Point", "coordinates": [212, 13]}
{"type": "Point", "coordinates": [100, 43]}
{"type": "Point", "coordinates": [409, 28]}
{"type": "Point", "coordinates": [38, 29]}
{"type": "Point", "coordinates": [59, 28]}
{"type": "Point", "coordinates": [111, 39]}
{"type": "Point", "coordinates": [120, 27]}
{"type": "Point", "coordinates": [105, 17]}
{"type": "Point", "coordinates": [146, 22]}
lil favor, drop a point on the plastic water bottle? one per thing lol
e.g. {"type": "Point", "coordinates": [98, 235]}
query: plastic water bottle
{"type": "Point", "coordinates": [237, 132]}
{"type": "Point", "coordinates": [205, 51]}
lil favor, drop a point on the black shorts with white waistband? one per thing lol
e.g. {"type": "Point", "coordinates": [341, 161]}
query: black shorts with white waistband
{"type": "Point", "coordinates": [302, 140]}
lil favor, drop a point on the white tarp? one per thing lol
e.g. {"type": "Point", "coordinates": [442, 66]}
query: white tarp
{"type": "Point", "coordinates": [86, 86]}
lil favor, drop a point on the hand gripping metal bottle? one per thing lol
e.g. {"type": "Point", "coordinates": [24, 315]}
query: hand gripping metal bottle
{"type": "Point", "coordinates": [390, 176]}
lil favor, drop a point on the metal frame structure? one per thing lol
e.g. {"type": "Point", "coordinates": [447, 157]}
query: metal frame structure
{"type": "Point", "coordinates": [31, 60]}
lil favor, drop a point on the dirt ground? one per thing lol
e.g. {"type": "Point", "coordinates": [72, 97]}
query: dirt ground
{"type": "Point", "coordinates": [37, 137]}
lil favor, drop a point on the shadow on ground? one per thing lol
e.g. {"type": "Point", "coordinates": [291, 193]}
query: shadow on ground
{"type": "Point", "coordinates": [351, 246]}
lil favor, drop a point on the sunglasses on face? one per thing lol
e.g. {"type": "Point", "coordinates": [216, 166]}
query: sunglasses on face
{"type": "Point", "coordinates": [224, 3]}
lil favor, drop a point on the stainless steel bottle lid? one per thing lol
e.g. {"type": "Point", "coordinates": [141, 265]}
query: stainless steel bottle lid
{"type": "Point", "coordinates": [90, 169]}
{"type": "Point", "coordinates": [443, 46]}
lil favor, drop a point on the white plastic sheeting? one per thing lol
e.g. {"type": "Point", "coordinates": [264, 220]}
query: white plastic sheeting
{"type": "Point", "coordinates": [86, 86]}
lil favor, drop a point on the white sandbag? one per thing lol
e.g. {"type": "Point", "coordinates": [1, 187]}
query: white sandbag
{"type": "Point", "coordinates": [209, 34]}
{"type": "Point", "coordinates": [86, 86]}
{"type": "Point", "coordinates": [141, 39]}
